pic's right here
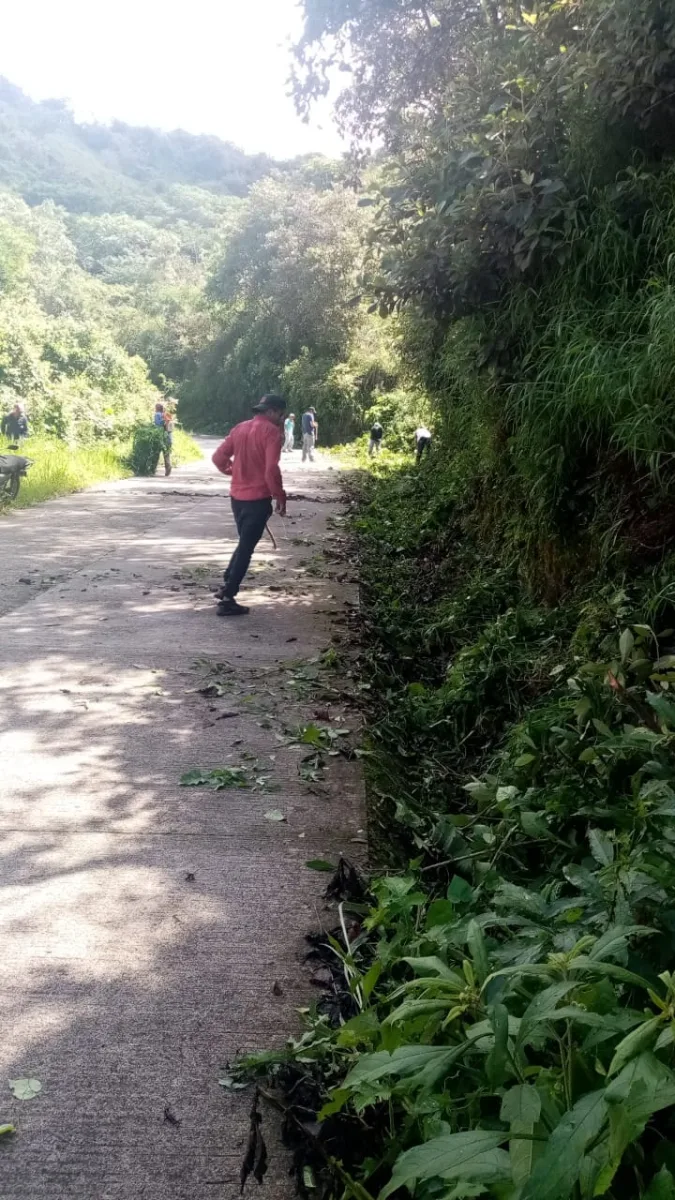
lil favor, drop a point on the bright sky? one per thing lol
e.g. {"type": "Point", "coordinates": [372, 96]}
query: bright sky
{"type": "Point", "coordinates": [208, 66]}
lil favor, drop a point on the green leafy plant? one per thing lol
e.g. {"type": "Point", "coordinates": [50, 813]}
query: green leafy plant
{"type": "Point", "coordinates": [501, 1012]}
{"type": "Point", "coordinates": [147, 446]}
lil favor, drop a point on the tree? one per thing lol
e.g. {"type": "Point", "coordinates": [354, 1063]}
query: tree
{"type": "Point", "coordinates": [284, 287]}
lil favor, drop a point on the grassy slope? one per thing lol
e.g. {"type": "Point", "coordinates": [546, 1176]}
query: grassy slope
{"type": "Point", "coordinates": [59, 468]}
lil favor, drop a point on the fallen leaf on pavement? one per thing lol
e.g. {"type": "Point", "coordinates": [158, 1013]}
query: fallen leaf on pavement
{"type": "Point", "coordinates": [25, 1089]}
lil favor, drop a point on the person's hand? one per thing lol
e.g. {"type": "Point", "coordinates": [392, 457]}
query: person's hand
{"type": "Point", "coordinates": [281, 508]}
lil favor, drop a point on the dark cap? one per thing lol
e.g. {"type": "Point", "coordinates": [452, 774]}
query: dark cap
{"type": "Point", "coordinates": [270, 402]}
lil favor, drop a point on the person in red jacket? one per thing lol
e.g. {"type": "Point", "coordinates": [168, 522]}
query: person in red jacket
{"type": "Point", "coordinates": [250, 454]}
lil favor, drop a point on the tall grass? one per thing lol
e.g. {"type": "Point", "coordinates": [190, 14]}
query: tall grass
{"type": "Point", "coordinates": [598, 372]}
{"type": "Point", "coordinates": [60, 467]}
{"type": "Point", "coordinates": [557, 405]}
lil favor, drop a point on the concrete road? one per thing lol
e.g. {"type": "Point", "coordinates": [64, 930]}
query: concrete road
{"type": "Point", "coordinates": [150, 932]}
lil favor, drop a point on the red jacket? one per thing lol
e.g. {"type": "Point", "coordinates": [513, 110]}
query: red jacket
{"type": "Point", "coordinates": [255, 447]}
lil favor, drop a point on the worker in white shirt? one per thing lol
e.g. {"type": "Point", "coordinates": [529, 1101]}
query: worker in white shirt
{"type": "Point", "coordinates": [422, 441]}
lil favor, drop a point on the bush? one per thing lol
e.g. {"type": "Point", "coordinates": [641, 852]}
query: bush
{"type": "Point", "coordinates": [501, 1011]}
{"type": "Point", "coordinates": [399, 412]}
{"type": "Point", "coordinates": [148, 443]}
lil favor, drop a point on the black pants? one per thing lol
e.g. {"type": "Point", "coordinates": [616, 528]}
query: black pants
{"type": "Point", "coordinates": [251, 517]}
{"type": "Point", "coordinates": [423, 447]}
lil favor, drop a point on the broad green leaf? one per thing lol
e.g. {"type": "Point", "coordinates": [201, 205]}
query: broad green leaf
{"type": "Point", "coordinates": [465, 1190]}
{"type": "Point", "coordinates": [426, 1063]}
{"type": "Point", "coordinates": [521, 1109]}
{"type": "Point", "coordinates": [642, 1038]}
{"type": "Point", "coordinates": [418, 1008]}
{"type": "Point", "coordinates": [533, 824]}
{"type": "Point", "coordinates": [371, 977]}
{"type": "Point", "coordinates": [524, 760]}
{"type": "Point", "coordinates": [312, 735]}
{"type": "Point", "coordinates": [472, 1156]}
{"type": "Point", "coordinates": [482, 1033]}
{"type": "Point", "coordinates": [510, 896]}
{"type": "Point", "coordinates": [521, 1103]}
{"type": "Point", "coordinates": [338, 1099]}
{"type": "Point", "coordinates": [602, 847]}
{"type": "Point", "coordinates": [478, 949]}
{"type": "Point", "coordinates": [459, 891]}
{"type": "Point", "coordinates": [626, 643]}
{"type": "Point", "coordinates": [6, 1129]}
{"type": "Point", "coordinates": [557, 1171]}
{"type": "Point", "coordinates": [645, 1084]}
{"type": "Point", "coordinates": [542, 1007]}
{"type": "Point", "coordinates": [602, 728]}
{"type": "Point", "coordinates": [495, 1063]}
{"type": "Point", "coordinates": [440, 912]}
{"type": "Point", "coordinates": [664, 709]}
{"type": "Point", "coordinates": [195, 778]}
{"type": "Point", "coordinates": [615, 941]}
{"type": "Point", "coordinates": [358, 1028]}
{"type": "Point", "coordinates": [666, 1037]}
{"type": "Point", "coordinates": [536, 970]}
{"type": "Point", "coordinates": [610, 970]}
{"type": "Point", "coordinates": [226, 777]}
{"type": "Point", "coordinates": [582, 1016]}
{"type": "Point", "coordinates": [25, 1089]}
{"type": "Point", "coordinates": [622, 1131]}
{"type": "Point", "coordinates": [662, 1186]}
{"type": "Point", "coordinates": [320, 864]}
{"type": "Point", "coordinates": [422, 965]}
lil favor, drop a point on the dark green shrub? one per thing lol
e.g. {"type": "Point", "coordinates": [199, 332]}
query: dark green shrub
{"type": "Point", "coordinates": [148, 443]}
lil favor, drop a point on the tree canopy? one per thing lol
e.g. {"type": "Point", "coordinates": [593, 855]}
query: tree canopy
{"type": "Point", "coordinates": [522, 227]}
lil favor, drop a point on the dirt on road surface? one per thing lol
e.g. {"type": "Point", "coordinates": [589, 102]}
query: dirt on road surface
{"type": "Point", "coordinates": [151, 932]}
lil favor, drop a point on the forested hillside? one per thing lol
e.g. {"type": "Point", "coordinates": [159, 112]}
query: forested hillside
{"type": "Point", "coordinates": [135, 260]}
{"type": "Point", "coordinates": [47, 155]}
{"type": "Point", "coordinates": [104, 243]}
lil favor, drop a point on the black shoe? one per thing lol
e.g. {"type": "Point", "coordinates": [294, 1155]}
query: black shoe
{"type": "Point", "coordinates": [230, 608]}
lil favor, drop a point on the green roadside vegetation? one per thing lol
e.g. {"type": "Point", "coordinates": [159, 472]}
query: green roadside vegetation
{"type": "Point", "coordinates": [502, 1012]}
{"type": "Point", "coordinates": [501, 1015]}
{"type": "Point", "coordinates": [60, 467]}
